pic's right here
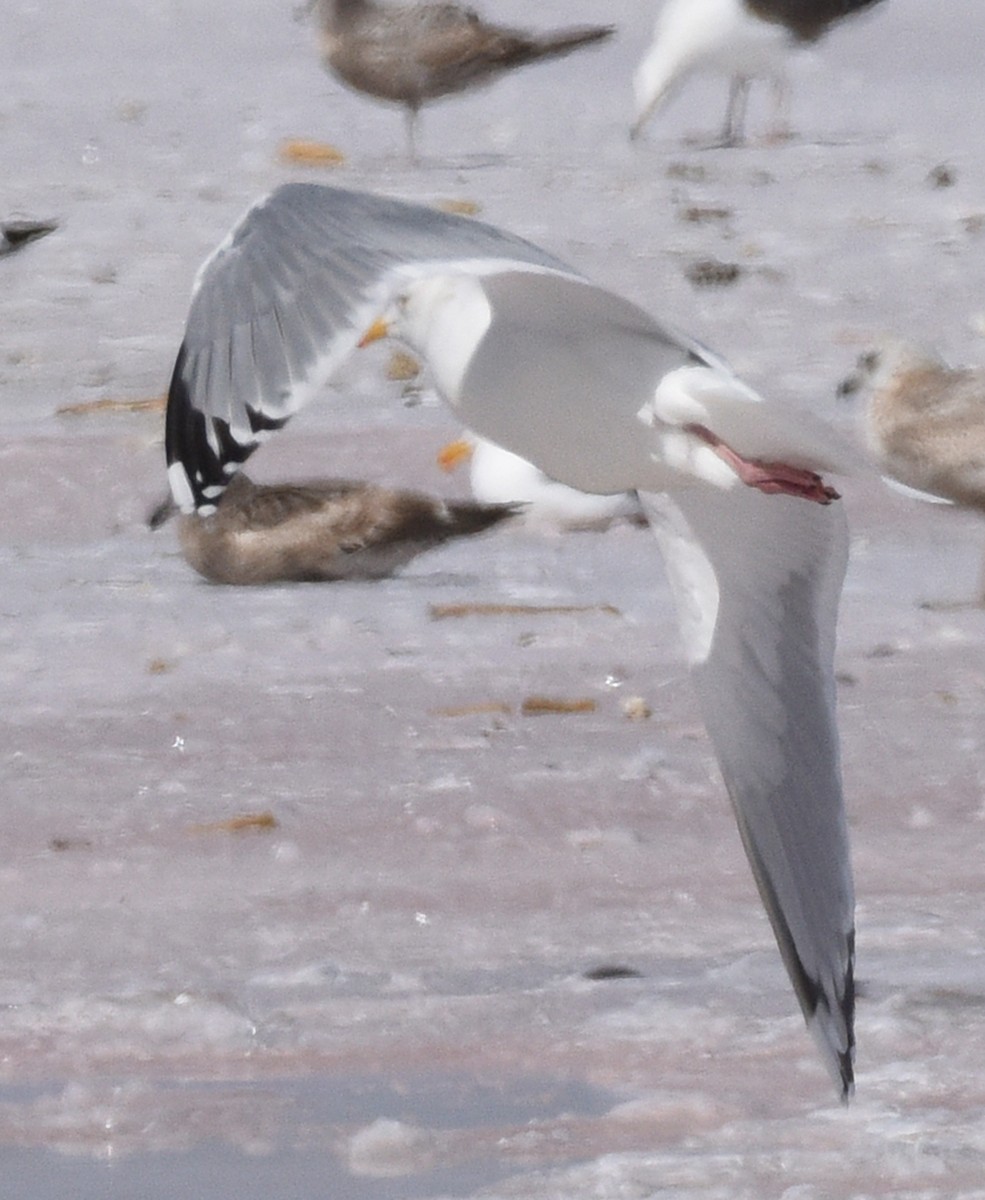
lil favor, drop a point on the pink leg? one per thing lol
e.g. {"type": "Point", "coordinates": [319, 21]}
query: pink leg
{"type": "Point", "coordinates": [775, 479]}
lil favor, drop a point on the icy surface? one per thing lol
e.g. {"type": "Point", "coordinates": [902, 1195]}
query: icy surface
{"type": "Point", "coordinates": [378, 988]}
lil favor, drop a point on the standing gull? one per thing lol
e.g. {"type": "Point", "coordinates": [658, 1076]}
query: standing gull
{"type": "Point", "coordinates": [744, 39]}
{"type": "Point", "coordinates": [328, 529]}
{"type": "Point", "coordinates": [601, 396]}
{"type": "Point", "coordinates": [413, 53]}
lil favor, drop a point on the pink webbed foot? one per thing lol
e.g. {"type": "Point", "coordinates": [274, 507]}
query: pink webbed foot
{"type": "Point", "coordinates": [772, 478]}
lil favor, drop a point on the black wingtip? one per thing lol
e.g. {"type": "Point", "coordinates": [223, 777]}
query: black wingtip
{"type": "Point", "coordinates": [846, 1060]}
{"type": "Point", "coordinates": [201, 446]}
{"type": "Point", "coordinates": [184, 426]}
{"type": "Point", "coordinates": [822, 1006]}
{"type": "Point", "coordinates": [816, 1003]}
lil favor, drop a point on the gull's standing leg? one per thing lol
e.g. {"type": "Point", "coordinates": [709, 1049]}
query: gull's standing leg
{"type": "Point", "coordinates": [411, 126]}
{"type": "Point", "coordinates": [981, 587]}
{"type": "Point", "coordinates": [735, 113]}
{"type": "Point", "coordinates": [781, 130]}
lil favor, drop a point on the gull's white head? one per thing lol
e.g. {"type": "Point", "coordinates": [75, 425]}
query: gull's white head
{"type": "Point", "coordinates": [441, 317]}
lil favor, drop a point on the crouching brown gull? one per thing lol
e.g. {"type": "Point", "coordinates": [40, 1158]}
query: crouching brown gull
{"type": "Point", "coordinates": [413, 53]}
{"type": "Point", "coordinates": [327, 529]}
{"type": "Point", "coordinates": [603, 397]}
{"type": "Point", "coordinates": [744, 39]}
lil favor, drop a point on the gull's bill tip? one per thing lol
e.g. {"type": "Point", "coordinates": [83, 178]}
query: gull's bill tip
{"type": "Point", "coordinates": [453, 454]}
{"type": "Point", "coordinates": [379, 330]}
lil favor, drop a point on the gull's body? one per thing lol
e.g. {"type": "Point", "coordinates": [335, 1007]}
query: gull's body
{"type": "Point", "coordinates": [414, 53]}
{"type": "Point", "coordinates": [602, 397]}
{"type": "Point", "coordinates": [742, 39]}
{"type": "Point", "coordinates": [924, 422]}
{"type": "Point", "coordinates": [328, 529]}
{"type": "Point", "coordinates": [498, 476]}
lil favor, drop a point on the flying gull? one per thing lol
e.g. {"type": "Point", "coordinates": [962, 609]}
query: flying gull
{"type": "Point", "coordinates": [498, 476]}
{"type": "Point", "coordinates": [413, 53]}
{"type": "Point", "coordinates": [328, 529]}
{"type": "Point", "coordinates": [601, 396]}
{"type": "Point", "coordinates": [744, 39]}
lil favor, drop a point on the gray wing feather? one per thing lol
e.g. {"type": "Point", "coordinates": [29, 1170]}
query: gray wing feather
{"type": "Point", "coordinates": [282, 302]}
{"type": "Point", "coordinates": [757, 581]}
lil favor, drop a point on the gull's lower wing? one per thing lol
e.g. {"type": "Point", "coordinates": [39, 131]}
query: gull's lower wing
{"type": "Point", "coordinates": [757, 580]}
{"type": "Point", "coordinates": [284, 300]}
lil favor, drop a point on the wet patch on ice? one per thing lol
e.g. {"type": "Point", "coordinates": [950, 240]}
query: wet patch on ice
{"type": "Point", "coordinates": [351, 1136]}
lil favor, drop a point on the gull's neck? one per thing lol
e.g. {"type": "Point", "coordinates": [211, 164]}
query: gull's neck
{"type": "Point", "coordinates": [451, 333]}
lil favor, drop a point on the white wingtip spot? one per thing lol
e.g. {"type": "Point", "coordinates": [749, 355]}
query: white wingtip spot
{"type": "Point", "coordinates": [212, 438]}
{"type": "Point", "coordinates": [181, 488]}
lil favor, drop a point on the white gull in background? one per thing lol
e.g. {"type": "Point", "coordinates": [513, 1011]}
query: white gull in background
{"type": "Point", "coordinates": [414, 53]}
{"type": "Point", "coordinates": [743, 39]}
{"type": "Point", "coordinates": [498, 476]}
{"type": "Point", "coordinates": [604, 398]}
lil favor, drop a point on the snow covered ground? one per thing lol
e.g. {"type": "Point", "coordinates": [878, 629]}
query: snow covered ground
{"type": "Point", "coordinates": [380, 987]}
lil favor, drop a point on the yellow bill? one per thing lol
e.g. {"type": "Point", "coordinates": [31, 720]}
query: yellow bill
{"type": "Point", "coordinates": [452, 455]}
{"type": "Point", "coordinates": [375, 333]}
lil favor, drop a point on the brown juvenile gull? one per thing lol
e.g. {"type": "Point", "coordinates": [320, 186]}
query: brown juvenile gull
{"type": "Point", "coordinates": [924, 423]}
{"type": "Point", "coordinates": [744, 39]}
{"type": "Point", "coordinates": [413, 53]}
{"type": "Point", "coordinates": [329, 529]}
{"type": "Point", "coordinates": [600, 395]}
